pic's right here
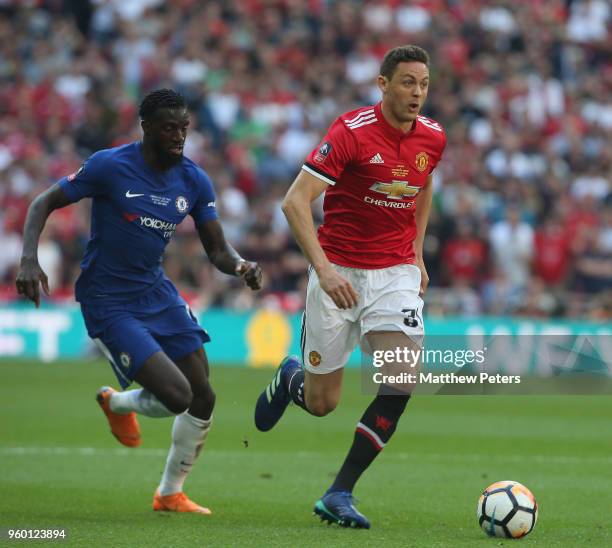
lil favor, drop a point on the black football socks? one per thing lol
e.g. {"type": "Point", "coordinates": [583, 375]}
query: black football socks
{"type": "Point", "coordinates": [296, 389]}
{"type": "Point", "coordinates": [372, 433]}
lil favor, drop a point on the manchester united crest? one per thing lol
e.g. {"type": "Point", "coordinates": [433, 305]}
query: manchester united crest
{"type": "Point", "coordinates": [314, 358]}
{"type": "Point", "coordinates": [421, 161]}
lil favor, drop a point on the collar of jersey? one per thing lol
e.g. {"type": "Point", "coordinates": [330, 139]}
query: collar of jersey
{"type": "Point", "coordinates": [388, 127]}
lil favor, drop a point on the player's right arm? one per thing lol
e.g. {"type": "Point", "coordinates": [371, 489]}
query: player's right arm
{"type": "Point", "coordinates": [30, 275]}
{"type": "Point", "coordinates": [87, 181]}
{"type": "Point", "coordinates": [297, 208]}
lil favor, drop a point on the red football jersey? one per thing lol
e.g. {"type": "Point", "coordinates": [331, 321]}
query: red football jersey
{"type": "Point", "coordinates": [375, 172]}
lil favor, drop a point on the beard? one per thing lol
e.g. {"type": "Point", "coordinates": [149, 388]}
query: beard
{"type": "Point", "coordinates": [166, 157]}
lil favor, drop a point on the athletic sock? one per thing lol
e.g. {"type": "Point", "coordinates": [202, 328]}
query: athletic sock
{"type": "Point", "coordinates": [188, 435]}
{"type": "Point", "coordinates": [372, 433]}
{"type": "Point", "coordinates": [141, 401]}
{"type": "Point", "coordinates": [296, 389]}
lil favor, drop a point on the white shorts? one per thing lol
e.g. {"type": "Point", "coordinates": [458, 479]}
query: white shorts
{"type": "Point", "coordinates": [388, 301]}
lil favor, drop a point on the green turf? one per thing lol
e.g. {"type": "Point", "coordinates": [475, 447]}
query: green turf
{"type": "Point", "coordinates": [59, 467]}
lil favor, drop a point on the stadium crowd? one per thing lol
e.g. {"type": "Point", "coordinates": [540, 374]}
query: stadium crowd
{"type": "Point", "coordinates": [522, 217]}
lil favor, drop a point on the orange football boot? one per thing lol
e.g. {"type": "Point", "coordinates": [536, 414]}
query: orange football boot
{"type": "Point", "coordinates": [124, 427]}
{"type": "Point", "coordinates": [177, 502]}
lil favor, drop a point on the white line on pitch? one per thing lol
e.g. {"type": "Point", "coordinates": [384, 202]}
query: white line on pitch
{"type": "Point", "coordinates": [83, 451]}
{"type": "Point", "coordinates": [159, 453]}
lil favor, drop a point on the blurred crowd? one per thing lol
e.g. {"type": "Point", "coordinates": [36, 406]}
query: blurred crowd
{"type": "Point", "coordinates": [521, 222]}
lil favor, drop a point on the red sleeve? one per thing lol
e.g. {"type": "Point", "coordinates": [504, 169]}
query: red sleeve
{"type": "Point", "coordinates": [337, 149]}
{"type": "Point", "coordinates": [441, 152]}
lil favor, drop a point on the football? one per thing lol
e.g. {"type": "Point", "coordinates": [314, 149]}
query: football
{"type": "Point", "coordinates": [507, 509]}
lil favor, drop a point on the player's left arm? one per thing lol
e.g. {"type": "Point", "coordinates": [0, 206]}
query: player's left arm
{"type": "Point", "coordinates": [421, 215]}
{"type": "Point", "coordinates": [225, 257]}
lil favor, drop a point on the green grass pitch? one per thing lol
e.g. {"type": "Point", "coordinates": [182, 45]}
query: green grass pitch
{"type": "Point", "coordinates": [60, 467]}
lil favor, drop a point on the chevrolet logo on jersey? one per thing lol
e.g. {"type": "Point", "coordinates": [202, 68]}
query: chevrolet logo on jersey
{"type": "Point", "coordinates": [396, 190]}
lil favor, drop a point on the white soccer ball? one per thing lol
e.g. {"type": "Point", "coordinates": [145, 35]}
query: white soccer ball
{"type": "Point", "coordinates": [507, 509]}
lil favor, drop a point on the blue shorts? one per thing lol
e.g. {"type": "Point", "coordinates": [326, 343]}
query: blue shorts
{"type": "Point", "coordinates": [129, 333]}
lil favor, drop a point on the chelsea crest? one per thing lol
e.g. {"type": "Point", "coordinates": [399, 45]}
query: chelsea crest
{"type": "Point", "coordinates": [181, 204]}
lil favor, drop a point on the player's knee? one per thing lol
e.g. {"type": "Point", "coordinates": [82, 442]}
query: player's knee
{"type": "Point", "coordinates": [321, 406]}
{"type": "Point", "coordinates": [179, 403]}
{"type": "Point", "coordinates": [204, 393]}
{"type": "Point", "coordinates": [177, 398]}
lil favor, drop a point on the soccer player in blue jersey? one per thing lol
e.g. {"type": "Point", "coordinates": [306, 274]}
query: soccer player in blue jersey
{"type": "Point", "coordinates": [141, 192]}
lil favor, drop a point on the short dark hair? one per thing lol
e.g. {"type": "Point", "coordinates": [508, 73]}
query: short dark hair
{"type": "Point", "coordinates": [402, 54]}
{"type": "Point", "coordinates": [160, 98]}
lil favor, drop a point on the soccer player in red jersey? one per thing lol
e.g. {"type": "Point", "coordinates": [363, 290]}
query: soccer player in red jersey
{"type": "Point", "coordinates": [367, 275]}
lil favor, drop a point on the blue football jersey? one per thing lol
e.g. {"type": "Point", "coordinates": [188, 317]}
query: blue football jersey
{"type": "Point", "coordinates": [135, 212]}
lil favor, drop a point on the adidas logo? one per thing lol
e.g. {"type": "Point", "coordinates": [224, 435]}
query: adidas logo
{"type": "Point", "coordinates": [377, 159]}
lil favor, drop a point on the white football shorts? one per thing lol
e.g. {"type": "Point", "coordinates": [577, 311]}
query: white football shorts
{"type": "Point", "coordinates": [388, 301]}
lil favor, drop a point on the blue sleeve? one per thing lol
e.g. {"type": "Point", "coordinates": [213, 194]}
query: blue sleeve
{"type": "Point", "coordinates": [204, 208]}
{"type": "Point", "coordinates": [88, 180]}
